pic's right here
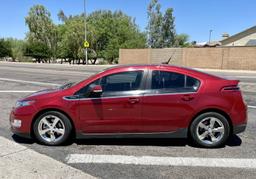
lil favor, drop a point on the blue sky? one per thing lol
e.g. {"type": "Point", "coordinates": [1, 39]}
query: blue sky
{"type": "Point", "coordinates": [194, 18]}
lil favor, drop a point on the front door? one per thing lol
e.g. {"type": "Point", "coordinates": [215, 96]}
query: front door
{"type": "Point", "coordinates": [118, 109]}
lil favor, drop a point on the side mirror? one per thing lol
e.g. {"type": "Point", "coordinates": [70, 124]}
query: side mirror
{"type": "Point", "coordinates": [96, 91]}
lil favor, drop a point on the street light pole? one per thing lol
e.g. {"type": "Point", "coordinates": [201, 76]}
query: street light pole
{"type": "Point", "coordinates": [210, 35]}
{"type": "Point", "coordinates": [85, 33]}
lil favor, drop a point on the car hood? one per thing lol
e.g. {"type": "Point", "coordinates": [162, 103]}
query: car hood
{"type": "Point", "coordinates": [42, 93]}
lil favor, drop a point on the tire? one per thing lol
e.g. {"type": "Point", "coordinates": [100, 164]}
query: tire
{"type": "Point", "coordinates": [210, 130]}
{"type": "Point", "coordinates": [52, 128]}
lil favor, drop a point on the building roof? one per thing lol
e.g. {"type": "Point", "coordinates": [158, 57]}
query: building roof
{"type": "Point", "coordinates": [239, 35]}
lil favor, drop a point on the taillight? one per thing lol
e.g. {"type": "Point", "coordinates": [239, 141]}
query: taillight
{"type": "Point", "coordinates": [231, 88]}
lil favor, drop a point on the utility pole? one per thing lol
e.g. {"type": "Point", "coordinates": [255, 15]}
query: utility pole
{"type": "Point", "coordinates": [85, 34]}
{"type": "Point", "coordinates": [210, 35]}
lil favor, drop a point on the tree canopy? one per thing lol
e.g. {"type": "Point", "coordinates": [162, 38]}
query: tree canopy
{"type": "Point", "coordinates": [161, 28]}
{"type": "Point", "coordinates": [107, 32]}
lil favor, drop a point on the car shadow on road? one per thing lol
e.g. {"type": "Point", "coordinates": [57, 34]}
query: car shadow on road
{"type": "Point", "coordinates": [233, 141]}
{"type": "Point", "coordinates": [22, 140]}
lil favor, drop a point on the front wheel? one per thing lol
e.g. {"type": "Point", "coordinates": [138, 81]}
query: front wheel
{"type": "Point", "coordinates": [210, 130]}
{"type": "Point", "coordinates": [52, 128]}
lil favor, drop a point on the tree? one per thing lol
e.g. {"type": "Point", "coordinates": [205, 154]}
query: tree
{"type": "Point", "coordinates": [154, 28]}
{"type": "Point", "coordinates": [181, 40]}
{"type": "Point", "coordinates": [5, 48]}
{"type": "Point", "coordinates": [161, 29]}
{"type": "Point", "coordinates": [17, 48]}
{"type": "Point", "coordinates": [108, 32]}
{"type": "Point", "coordinates": [37, 50]}
{"type": "Point", "coordinates": [168, 28]}
{"type": "Point", "coordinates": [72, 38]}
{"type": "Point", "coordinates": [41, 29]}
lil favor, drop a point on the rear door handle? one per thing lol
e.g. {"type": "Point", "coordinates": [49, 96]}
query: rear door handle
{"type": "Point", "coordinates": [187, 97]}
{"type": "Point", "coordinates": [134, 100]}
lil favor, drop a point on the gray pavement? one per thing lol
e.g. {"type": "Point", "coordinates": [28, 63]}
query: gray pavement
{"type": "Point", "coordinates": [241, 146]}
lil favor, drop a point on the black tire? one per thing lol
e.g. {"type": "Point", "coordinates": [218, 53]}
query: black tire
{"type": "Point", "coordinates": [65, 121]}
{"type": "Point", "coordinates": [201, 143]}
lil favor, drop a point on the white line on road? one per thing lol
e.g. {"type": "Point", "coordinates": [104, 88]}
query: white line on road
{"type": "Point", "coordinates": [244, 76]}
{"type": "Point", "coordinates": [30, 82]}
{"type": "Point", "coordinates": [162, 161]}
{"type": "Point", "coordinates": [16, 91]}
{"type": "Point", "coordinates": [253, 107]}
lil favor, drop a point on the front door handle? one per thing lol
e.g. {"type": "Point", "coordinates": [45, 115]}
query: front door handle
{"type": "Point", "coordinates": [134, 100]}
{"type": "Point", "coordinates": [187, 97]}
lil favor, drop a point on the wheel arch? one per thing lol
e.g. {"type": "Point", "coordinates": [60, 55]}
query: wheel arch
{"type": "Point", "coordinates": [51, 109]}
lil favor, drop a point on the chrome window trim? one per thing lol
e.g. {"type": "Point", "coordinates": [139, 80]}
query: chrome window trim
{"type": "Point", "coordinates": [128, 96]}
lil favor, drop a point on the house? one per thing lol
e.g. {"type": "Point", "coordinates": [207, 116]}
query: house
{"type": "Point", "coordinates": [244, 38]}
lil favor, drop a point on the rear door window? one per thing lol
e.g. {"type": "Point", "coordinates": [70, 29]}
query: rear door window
{"type": "Point", "coordinates": [171, 82]}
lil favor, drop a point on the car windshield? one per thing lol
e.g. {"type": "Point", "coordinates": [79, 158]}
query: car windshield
{"type": "Point", "coordinates": [70, 84]}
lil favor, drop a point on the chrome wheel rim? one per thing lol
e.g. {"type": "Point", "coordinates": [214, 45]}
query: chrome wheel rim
{"type": "Point", "coordinates": [210, 130]}
{"type": "Point", "coordinates": [51, 128]}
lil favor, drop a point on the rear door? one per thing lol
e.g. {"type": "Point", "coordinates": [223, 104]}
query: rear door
{"type": "Point", "coordinates": [169, 101]}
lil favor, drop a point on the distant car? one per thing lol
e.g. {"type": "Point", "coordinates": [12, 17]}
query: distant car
{"type": "Point", "coordinates": [135, 101]}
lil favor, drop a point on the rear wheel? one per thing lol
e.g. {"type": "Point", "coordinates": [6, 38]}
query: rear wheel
{"type": "Point", "coordinates": [210, 129]}
{"type": "Point", "coordinates": [52, 128]}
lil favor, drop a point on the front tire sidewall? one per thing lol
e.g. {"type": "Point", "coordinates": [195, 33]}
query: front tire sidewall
{"type": "Point", "coordinates": [66, 122]}
{"type": "Point", "coordinates": [198, 119]}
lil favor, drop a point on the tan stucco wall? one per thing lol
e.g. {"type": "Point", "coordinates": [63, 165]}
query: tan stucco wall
{"type": "Point", "coordinates": [202, 57]}
{"type": "Point", "coordinates": [134, 56]}
{"type": "Point", "coordinates": [162, 55]}
{"type": "Point", "coordinates": [243, 58]}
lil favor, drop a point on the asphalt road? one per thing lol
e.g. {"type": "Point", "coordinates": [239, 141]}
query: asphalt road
{"type": "Point", "coordinates": [15, 79]}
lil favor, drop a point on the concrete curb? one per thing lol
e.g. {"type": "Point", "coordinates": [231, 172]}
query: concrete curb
{"type": "Point", "coordinates": [17, 161]}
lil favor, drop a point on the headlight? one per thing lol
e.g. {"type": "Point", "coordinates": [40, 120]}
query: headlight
{"type": "Point", "coordinates": [23, 103]}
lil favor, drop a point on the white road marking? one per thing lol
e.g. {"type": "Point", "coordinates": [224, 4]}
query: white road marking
{"type": "Point", "coordinates": [245, 76]}
{"type": "Point", "coordinates": [30, 82]}
{"type": "Point", "coordinates": [162, 161]}
{"type": "Point", "coordinates": [16, 91]}
{"type": "Point", "coordinates": [253, 107]}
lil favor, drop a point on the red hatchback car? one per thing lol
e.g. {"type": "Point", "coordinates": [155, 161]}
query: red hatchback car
{"type": "Point", "coordinates": [135, 101]}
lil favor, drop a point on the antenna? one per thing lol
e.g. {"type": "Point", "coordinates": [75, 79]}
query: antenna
{"type": "Point", "coordinates": [168, 61]}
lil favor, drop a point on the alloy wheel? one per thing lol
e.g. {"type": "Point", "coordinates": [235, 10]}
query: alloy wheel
{"type": "Point", "coordinates": [210, 130]}
{"type": "Point", "coordinates": [51, 128]}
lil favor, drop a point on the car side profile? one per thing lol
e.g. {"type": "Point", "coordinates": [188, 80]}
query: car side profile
{"type": "Point", "coordinates": [135, 101]}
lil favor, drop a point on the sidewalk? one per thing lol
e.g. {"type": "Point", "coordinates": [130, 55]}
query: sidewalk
{"type": "Point", "coordinates": [17, 161]}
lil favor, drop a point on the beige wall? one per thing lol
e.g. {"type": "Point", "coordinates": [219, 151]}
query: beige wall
{"type": "Point", "coordinates": [134, 56]}
{"type": "Point", "coordinates": [243, 58]}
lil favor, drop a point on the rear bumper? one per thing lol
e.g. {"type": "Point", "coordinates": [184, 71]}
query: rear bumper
{"type": "Point", "coordinates": [239, 128]}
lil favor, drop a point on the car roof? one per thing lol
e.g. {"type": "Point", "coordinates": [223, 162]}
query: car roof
{"type": "Point", "coordinates": [164, 66]}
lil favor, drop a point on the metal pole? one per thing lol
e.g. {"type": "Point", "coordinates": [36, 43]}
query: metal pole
{"type": "Point", "coordinates": [210, 35]}
{"type": "Point", "coordinates": [85, 33]}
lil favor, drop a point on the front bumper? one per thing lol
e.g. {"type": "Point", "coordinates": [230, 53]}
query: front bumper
{"type": "Point", "coordinates": [21, 120]}
{"type": "Point", "coordinates": [239, 128]}
{"type": "Point", "coordinates": [21, 134]}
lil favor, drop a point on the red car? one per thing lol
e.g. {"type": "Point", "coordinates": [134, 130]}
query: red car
{"type": "Point", "coordinates": [135, 101]}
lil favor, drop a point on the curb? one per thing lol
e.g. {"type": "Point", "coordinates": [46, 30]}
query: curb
{"type": "Point", "coordinates": [18, 161]}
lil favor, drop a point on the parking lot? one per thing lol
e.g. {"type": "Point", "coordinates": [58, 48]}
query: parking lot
{"type": "Point", "coordinates": [19, 80]}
